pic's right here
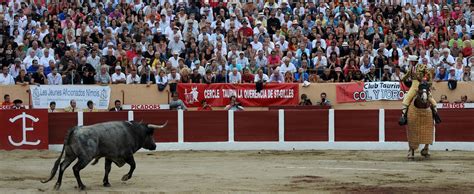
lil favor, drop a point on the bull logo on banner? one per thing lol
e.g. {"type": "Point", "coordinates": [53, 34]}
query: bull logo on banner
{"type": "Point", "coordinates": [192, 96]}
{"type": "Point", "coordinates": [24, 140]}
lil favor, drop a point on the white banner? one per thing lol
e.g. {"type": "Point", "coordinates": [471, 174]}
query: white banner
{"type": "Point", "coordinates": [383, 91]}
{"type": "Point", "coordinates": [455, 105]}
{"type": "Point", "coordinates": [62, 94]}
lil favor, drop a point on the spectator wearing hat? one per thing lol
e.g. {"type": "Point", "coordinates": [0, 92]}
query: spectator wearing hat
{"type": "Point", "coordinates": [118, 77]}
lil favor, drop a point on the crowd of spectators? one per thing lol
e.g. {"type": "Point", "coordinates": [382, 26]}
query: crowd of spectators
{"type": "Point", "coordinates": [232, 41]}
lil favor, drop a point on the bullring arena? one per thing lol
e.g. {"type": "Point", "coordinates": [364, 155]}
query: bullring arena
{"type": "Point", "coordinates": [237, 96]}
{"type": "Point", "coordinates": [227, 151]}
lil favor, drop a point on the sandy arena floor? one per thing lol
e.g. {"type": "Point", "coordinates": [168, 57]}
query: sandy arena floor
{"type": "Point", "coordinates": [250, 171]}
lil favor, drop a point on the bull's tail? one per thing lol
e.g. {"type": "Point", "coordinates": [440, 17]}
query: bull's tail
{"type": "Point", "coordinates": [56, 164]}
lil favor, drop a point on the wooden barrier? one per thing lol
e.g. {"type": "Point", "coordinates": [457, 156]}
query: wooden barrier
{"type": "Point", "coordinates": [282, 126]}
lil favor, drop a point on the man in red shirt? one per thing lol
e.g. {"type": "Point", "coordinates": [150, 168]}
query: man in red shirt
{"type": "Point", "coordinates": [245, 31]}
{"type": "Point", "coordinates": [247, 77]}
{"type": "Point", "coordinates": [6, 101]}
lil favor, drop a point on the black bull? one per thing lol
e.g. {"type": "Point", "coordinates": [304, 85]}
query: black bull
{"type": "Point", "coordinates": [117, 141]}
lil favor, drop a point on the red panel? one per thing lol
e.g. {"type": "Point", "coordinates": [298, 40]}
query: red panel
{"type": "Point", "coordinates": [306, 125]}
{"type": "Point", "coordinates": [256, 126]}
{"type": "Point", "coordinates": [210, 126]}
{"type": "Point", "coordinates": [393, 131]}
{"type": "Point", "coordinates": [24, 129]}
{"type": "Point", "coordinates": [59, 124]}
{"type": "Point", "coordinates": [166, 134]}
{"type": "Point", "coordinates": [356, 125]}
{"type": "Point", "coordinates": [91, 118]}
{"type": "Point", "coordinates": [456, 125]}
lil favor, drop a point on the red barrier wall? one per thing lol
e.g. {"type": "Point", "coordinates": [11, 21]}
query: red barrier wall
{"type": "Point", "coordinates": [256, 126]}
{"type": "Point", "coordinates": [59, 124]}
{"type": "Point", "coordinates": [300, 125]}
{"type": "Point", "coordinates": [91, 118]}
{"type": "Point", "coordinates": [454, 125]}
{"type": "Point", "coordinates": [211, 126]}
{"type": "Point", "coordinates": [356, 125]}
{"type": "Point", "coordinates": [306, 125]}
{"type": "Point", "coordinates": [165, 134]}
{"type": "Point", "coordinates": [393, 131]}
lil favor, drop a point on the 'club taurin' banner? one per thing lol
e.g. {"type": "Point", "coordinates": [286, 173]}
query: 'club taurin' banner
{"type": "Point", "coordinates": [62, 94]}
{"type": "Point", "coordinates": [247, 95]}
{"type": "Point", "coordinates": [369, 91]}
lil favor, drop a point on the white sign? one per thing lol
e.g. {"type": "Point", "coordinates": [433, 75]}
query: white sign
{"type": "Point", "coordinates": [62, 94]}
{"type": "Point", "coordinates": [146, 107]}
{"type": "Point", "coordinates": [383, 91]}
{"type": "Point", "coordinates": [455, 105]}
{"type": "Point", "coordinates": [24, 116]}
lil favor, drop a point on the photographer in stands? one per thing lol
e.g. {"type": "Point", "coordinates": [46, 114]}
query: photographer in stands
{"type": "Point", "coordinates": [176, 103]}
{"type": "Point", "coordinates": [234, 105]}
{"type": "Point", "coordinates": [324, 101]}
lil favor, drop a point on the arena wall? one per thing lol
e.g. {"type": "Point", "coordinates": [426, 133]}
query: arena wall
{"type": "Point", "coordinates": [279, 129]}
{"type": "Point", "coordinates": [142, 94]}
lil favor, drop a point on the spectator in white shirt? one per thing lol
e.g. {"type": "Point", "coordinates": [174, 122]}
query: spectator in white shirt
{"type": "Point", "coordinates": [287, 66]}
{"type": "Point", "coordinates": [133, 78]}
{"type": "Point", "coordinates": [446, 59]}
{"type": "Point", "coordinates": [110, 46]}
{"type": "Point", "coordinates": [5, 77]}
{"type": "Point", "coordinates": [320, 61]}
{"type": "Point", "coordinates": [174, 60]}
{"type": "Point", "coordinates": [283, 43]}
{"type": "Point", "coordinates": [242, 60]}
{"type": "Point", "coordinates": [46, 58]}
{"type": "Point", "coordinates": [173, 77]}
{"type": "Point", "coordinates": [118, 77]}
{"type": "Point", "coordinates": [276, 76]}
{"type": "Point", "coordinates": [235, 77]}
{"type": "Point", "coordinates": [28, 61]}
{"type": "Point", "coordinates": [261, 77]}
{"type": "Point", "coordinates": [54, 78]}
{"type": "Point", "coordinates": [94, 60]}
{"type": "Point", "coordinates": [176, 45]}
{"type": "Point", "coordinates": [256, 45]}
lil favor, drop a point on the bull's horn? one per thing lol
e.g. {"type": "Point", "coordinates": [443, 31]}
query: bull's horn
{"type": "Point", "coordinates": [157, 126]}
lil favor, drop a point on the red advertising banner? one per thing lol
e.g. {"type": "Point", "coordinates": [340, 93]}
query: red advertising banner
{"type": "Point", "coordinates": [247, 95]}
{"type": "Point", "coordinates": [23, 129]}
{"type": "Point", "coordinates": [369, 91]}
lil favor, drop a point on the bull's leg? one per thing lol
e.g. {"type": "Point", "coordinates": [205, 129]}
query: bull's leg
{"type": "Point", "coordinates": [108, 166]}
{"type": "Point", "coordinates": [81, 163]}
{"type": "Point", "coordinates": [131, 161]}
{"type": "Point", "coordinates": [64, 164]}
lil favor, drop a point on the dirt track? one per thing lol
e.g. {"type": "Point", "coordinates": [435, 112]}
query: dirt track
{"type": "Point", "coordinates": [355, 171]}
